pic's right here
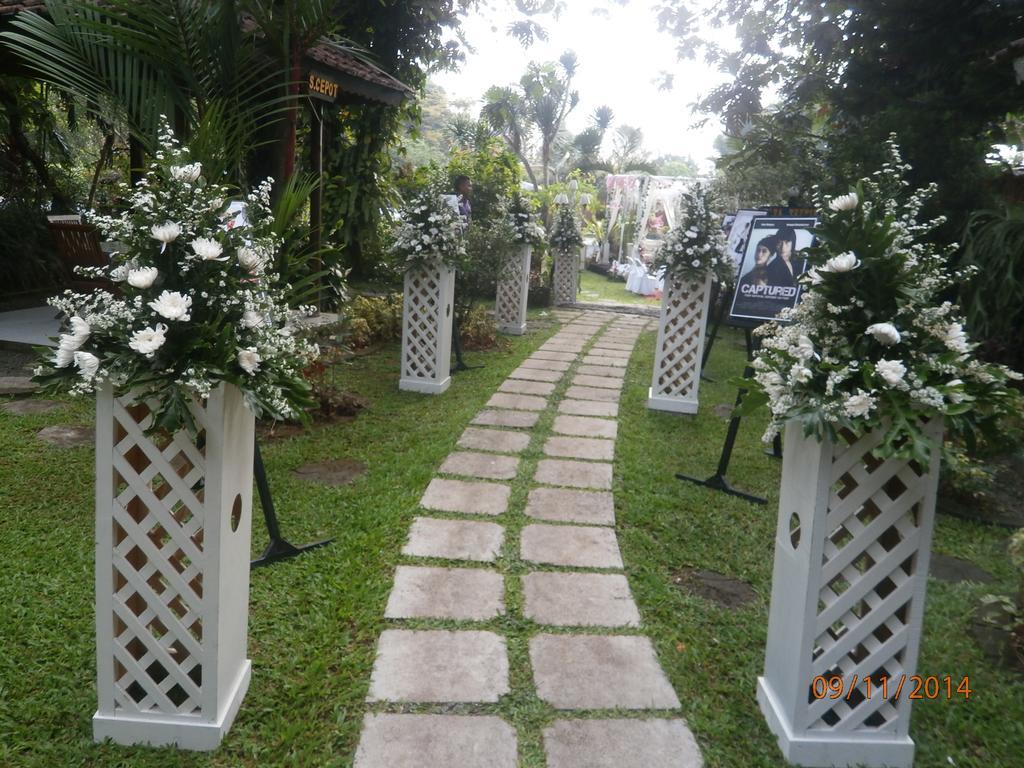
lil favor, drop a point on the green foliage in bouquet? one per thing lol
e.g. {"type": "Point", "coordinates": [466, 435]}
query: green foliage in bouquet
{"type": "Point", "coordinates": [696, 246]}
{"type": "Point", "coordinates": [429, 231]}
{"type": "Point", "coordinates": [565, 231]}
{"type": "Point", "coordinates": [195, 304]}
{"type": "Point", "coordinates": [871, 343]}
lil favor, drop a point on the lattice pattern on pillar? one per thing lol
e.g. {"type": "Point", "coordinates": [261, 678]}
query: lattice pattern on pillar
{"type": "Point", "coordinates": [566, 278]}
{"type": "Point", "coordinates": [868, 584]}
{"type": "Point", "coordinates": [157, 561]}
{"type": "Point", "coordinates": [510, 288]}
{"type": "Point", "coordinates": [424, 305]}
{"type": "Point", "coordinates": [677, 363]}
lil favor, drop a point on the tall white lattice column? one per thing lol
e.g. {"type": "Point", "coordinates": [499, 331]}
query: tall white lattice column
{"type": "Point", "coordinates": [173, 524]}
{"type": "Point", "coordinates": [427, 329]}
{"type": "Point", "coordinates": [567, 276]}
{"type": "Point", "coordinates": [513, 291]}
{"type": "Point", "coordinates": [680, 347]}
{"type": "Point", "coordinates": [851, 566]}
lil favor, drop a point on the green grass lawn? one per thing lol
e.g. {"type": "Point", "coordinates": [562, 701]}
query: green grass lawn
{"type": "Point", "coordinates": [315, 621]}
{"type": "Point", "coordinates": [599, 289]}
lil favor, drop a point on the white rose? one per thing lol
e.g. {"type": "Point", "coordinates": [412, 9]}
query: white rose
{"type": "Point", "coordinates": [172, 305]}
{"type": "Point", "coordinates": [250, 259]}
{"type": "Point", "coordinates": [143, 277]}
{"type": "Point", "coordinates": [87, 364]}
{"type": "Point", "coordinates": [207, 249]}
{"type": "Point", "coordinates": [858, 405]}
{"type": "Point", "coordinates": [166, 233]}
{"type": "Point", "coordinates": [884, 333]}
{"type": "Point", "coordinates": [891, 371]}
{"type": "Point", "coordinates": [844, 262]}
{"type": "Point", "coordinates": [148, 340]}
{"type": "Point", "coordinates": [252, 319]}
{"type": "Point", "coordinates": [800, 374]}
{"type": "Point", "coordinates": [249, 360]}
{"type": "Point", "coordinates": [844, 202]}
{"type": "Point", "coordinates": [187, 173]}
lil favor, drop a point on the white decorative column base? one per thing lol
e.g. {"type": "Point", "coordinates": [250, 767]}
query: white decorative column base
{"type": "Point", "coordinates": [677, 362]}
{"type": "Point", "coordinates": [427, 329]}
{"type": "Point", "coordinates": [852, 548]}
{"type": "Point", "coordinates": [567, 277]}
{"type": "Point", "coordinates": [513, 291]}
{"type": "Point", "coordinates": [173, 525]}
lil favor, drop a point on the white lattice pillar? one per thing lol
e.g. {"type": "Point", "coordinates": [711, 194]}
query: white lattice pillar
{"type": "Point", "coordinates": [851, 566]}
{"type": "Point", "coordinates": [513, 290]}
{"type": "Point", "coordinates": [680, 346]}
{"type": "Point", "coordinates": [173, 524]}
{"type": "Point", "coordinates": [427, 329]}
{"type": "Point", "coordinates": [567, 276]}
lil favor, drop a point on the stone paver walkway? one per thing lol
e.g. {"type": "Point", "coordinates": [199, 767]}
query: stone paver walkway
{"type": "Point", "coordinates": [523, 508]}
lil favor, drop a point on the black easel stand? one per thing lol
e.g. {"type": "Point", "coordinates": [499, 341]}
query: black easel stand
{"type": "Point", "coordinates": [775, 451]}
{"type": "Point", "coordinates": [460, 364]}
{"type": "Point", "coordinates": [723, 308]}
{"type": "Point", "coordinates": [718, 480]}
{"type": "Point", "coordinates": [279, 548]}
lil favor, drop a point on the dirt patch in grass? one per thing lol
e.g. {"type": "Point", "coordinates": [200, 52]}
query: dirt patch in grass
{"type": "Point", "coordinates": [333, 472]}
{"type": "Point", "coordinates": [726, 591]}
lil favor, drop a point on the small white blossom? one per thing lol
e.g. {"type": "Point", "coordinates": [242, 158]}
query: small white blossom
{"type": "Point", "coordinates": [172, 305]}
{"type": "Point", "coordinates": [884, 333]}
{"type": "Point", "coordinates": [143, 277]}
{"type": "Point", "coordinates": [249, 360]}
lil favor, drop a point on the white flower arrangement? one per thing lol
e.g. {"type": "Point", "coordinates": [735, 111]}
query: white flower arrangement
{"type": "Point", "coordinates": [565, 230]}
{"type": "Point", "coordinates": [181, 319]}
{"type": "Point", "coordinates": [696, 246]}
{"type": "Point", "coordinates": [871, 345]}
{"type": "Point", "coordinates": [524, 222]}
{"type": "Point", "coordinates": [429, 231]}
{"type": "Point", "coordinates": [1007, 156]}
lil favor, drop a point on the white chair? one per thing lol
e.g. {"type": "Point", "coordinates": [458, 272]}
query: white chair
{"type": "Point", "coordinates": [65, 218]}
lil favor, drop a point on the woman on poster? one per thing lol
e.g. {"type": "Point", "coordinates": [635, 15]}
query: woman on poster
{"type": "Point", "coordinates": [784, 268]}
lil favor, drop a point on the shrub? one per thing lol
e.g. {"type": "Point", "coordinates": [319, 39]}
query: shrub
{"type": "Point", "coordinates": [478, 329]}
{"type": "Point", "coordinates": [373, 320]}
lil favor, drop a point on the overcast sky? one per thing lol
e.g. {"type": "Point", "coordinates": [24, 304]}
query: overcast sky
{"type": "Point", "coordinates": [621, 54]}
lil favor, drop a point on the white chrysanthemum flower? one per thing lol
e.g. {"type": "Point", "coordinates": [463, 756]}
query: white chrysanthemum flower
{"type": "Point", "coordinates": [844, 262]}
{"type": "Point", "coordinates": [955, 338]}
{"type": "Point", "coordinates": [884, 333]}
{"type": "Point", "coordinates": [844, 202]}
{"type": "Point", "coordinates": [63, 357]}
{"type": "Point", "coordinates": [80, 331]}
{"type": "Point", "coordinates": [166, 233]}
{"type": "Point", "coordinates": [172, 305]}
{"type": "Point", "coordinates": [119, 273]}
{"type": "Point", "coordinates": [208, 249]}
{"type": "Point", "coordinates": [143, 277]}
{"type": "Point", "coordinates": [804, 348]}
{"type": "Point", "coordinates": [891, 371]}
{"type": "Point", "coordinates": [249, 360]}
{"type": "Point", "coordinates": [148, 340]}
{"type": "Point", "coordinates": [251, 319]}
{"type": "Point", "coordinates": [189, 173]}
{"type": "Point", "coordinates": [799, 373]}
{"type": "Point", "coordinates": [87, 364]}
{"type": "Point", "coordinates": [250, 259]}
{"type": "Point", "coordinates": [859, 404]}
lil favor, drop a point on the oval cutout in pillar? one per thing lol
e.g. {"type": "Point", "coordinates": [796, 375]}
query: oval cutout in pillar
{"type": "Point", "coordinates": [236, 512]}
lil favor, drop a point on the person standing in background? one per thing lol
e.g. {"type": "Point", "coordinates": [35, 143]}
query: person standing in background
{"type": "Point", "coordinates": [464, 191]}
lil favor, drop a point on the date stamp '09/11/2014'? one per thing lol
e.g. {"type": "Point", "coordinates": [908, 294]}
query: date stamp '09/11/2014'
{"type": "Point", "coordinates": [913, 687]}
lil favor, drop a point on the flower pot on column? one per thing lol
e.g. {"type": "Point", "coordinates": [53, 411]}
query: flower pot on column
{"type": "Point", "coordinates": [851, 565]}
{"type": "Point", "coordinates": [173, 523]}
{"type": "Point", "coordinates": [567, 275]}
{"type": "Point", "coordinates": [680, 346]}
{"type": "Point", "coordinates": [513, 290]}
{"type": "Point", "coordinates": [427, 328]}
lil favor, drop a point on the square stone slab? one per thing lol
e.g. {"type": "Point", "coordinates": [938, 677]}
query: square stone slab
{"type": "Point", "coordinates": [571, 506]}
{"type": "Point", "coordinates": [588, 408]}
{"type": "Point", "coordinates": [454, 539]}
{"type": "Point", "coordinates": [579, 600]}
{"type": "Point", "coordinates": [465, 496]}
{"type": "Point", "coordinates": [602, 370]}
{"type": "Point", "coordinates": [577, 392]}
{"type": "Point", "coordinates": [535, 374]}
{"type": "Point", "coordinates": [543, 354]}
{"type": "Point", "coordinates": [436, 741]}
{"type": "Point", "coordinates": [623, 743]}
{"type": "Point", "coordinates": [585, 426]}
{"type": "Point", "coordinates": [497, 440]}
{"type": "Point", "coordinates": [615, 362]}
{"type": "Point", "coordinates": [593, 382]}
{"type": "Point", "coordinates": [580, 448]}
{"type": "Point", "coordinates": [576, 474]}
{"type": "Point", "coordinates": [599, 672]}
{"type": "Point", "coordinates": [523, 387]}
{"type": "Point", "coordinates": [517, 402]}
{"type": "Point", "coordinates": [439, 666]}
{"type": "Point", "coordinates": [480, 465]}
{"type": "Point", "coordinates": [469, 594]}
{"type": "Point", "coordinates": [520, 419]}
{"type": "Point", "coordinates": [546, 365]}
{"type": "Point", "coordinates": [572, 545]}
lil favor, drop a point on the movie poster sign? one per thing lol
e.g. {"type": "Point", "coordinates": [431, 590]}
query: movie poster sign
{"type": "Point", "coordinates": [771, 264]}
{"type": "Point", "coordinates": [739, 234]}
